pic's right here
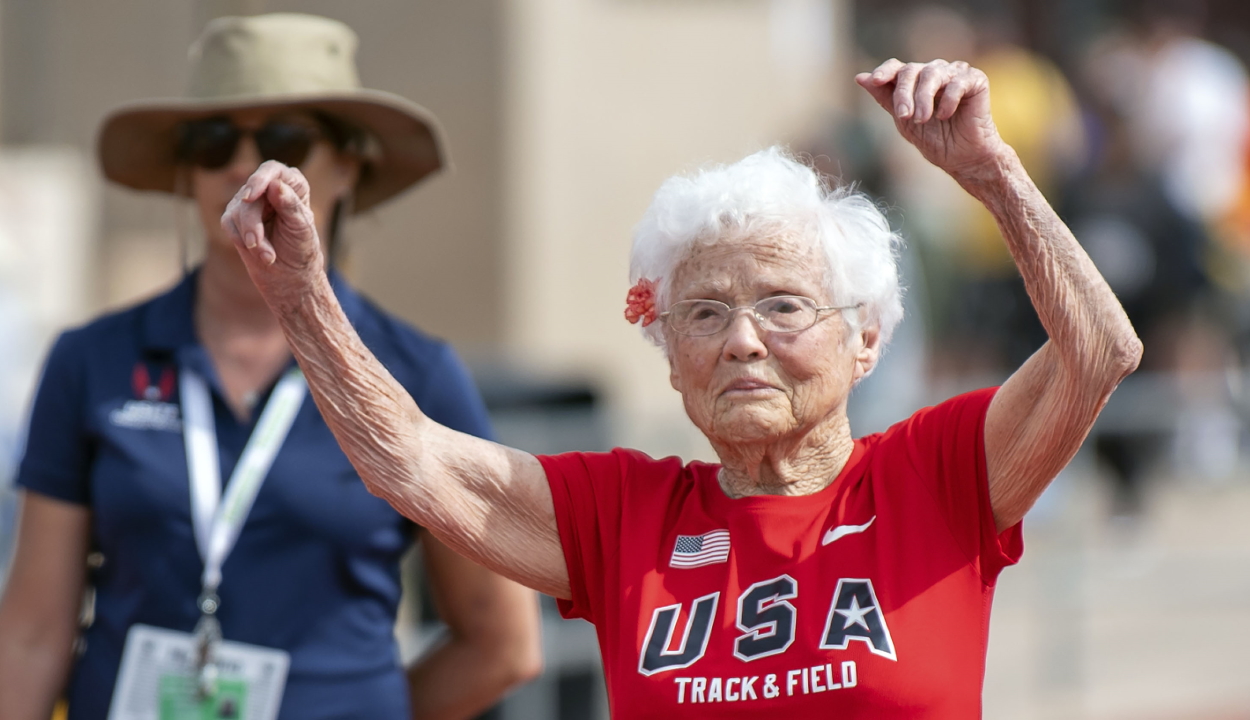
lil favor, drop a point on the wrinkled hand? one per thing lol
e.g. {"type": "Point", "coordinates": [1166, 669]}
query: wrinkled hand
{"type": "Point", "coordinates": [272, 225]}
{"type": "Point", "coordinates": [943, 108]}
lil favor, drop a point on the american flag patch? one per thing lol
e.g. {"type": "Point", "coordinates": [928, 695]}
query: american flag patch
{"type": "Point", "coordinates": [699, 550]}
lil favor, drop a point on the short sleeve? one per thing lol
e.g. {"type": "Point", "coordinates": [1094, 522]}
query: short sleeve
{"type": "Point", "coordinates": [451, 399]}
{"type": "Point", "coordinates": [946, 446]}
{"type": "Point", "coordinates": [57, 458]}
{"type": "Point", "coordinates": [586, 490]}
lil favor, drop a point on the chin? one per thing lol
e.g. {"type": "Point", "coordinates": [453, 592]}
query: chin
{"type": "Point", "coordinates": [750, 425]}
{"type": "Point", "coordinates": [218, 242]}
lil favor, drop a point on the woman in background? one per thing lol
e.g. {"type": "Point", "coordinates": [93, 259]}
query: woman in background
{"type": "Point", "coordinates": [116, 459]}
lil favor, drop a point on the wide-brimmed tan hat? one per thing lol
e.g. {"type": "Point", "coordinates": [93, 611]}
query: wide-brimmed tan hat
{"type": "Point", "coordinates": [281, 61]}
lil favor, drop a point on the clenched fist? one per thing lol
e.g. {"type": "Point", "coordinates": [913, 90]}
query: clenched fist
{"type": "Point", "coordinates": [943, 108]}
{"type": "Point", "coordinates": [272, 224]}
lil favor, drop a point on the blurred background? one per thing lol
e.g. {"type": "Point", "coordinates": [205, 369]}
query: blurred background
{"type": "Point", "coordinates": [563, 116]}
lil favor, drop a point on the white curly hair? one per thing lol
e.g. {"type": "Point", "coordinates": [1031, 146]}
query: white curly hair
{"type": "Point", "coordinates": [771, 194]}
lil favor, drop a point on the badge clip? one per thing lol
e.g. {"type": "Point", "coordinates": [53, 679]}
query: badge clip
{"type": "Point", "coordinates": [207, 640]}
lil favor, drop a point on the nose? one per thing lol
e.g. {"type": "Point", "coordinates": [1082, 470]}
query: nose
{"type": "Point", "coordinates": [743, 339]}
{"type": "Point", "coordinates": [245, 160]}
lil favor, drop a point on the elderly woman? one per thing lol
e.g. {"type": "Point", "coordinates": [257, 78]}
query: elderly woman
{"type": "Point", "coordinates": [809, 574]}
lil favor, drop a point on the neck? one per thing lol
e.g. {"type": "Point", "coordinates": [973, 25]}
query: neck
{"type": "Point", "coordinates": [227, 300]}
{"type": "Point", "coordinates": [792, 465]}
{"type": "Point", "coordinates": [243, 338]}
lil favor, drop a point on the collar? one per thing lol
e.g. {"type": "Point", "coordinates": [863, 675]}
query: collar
{"type": "Point", "coordinates": [169, 321]}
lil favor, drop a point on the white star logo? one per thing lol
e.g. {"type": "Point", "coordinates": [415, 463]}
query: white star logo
{"type": "Point", "coordinates": [855, 614]}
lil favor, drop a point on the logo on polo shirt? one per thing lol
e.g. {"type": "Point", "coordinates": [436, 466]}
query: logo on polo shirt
{"type": "Point", "coordinates": [151, 408]}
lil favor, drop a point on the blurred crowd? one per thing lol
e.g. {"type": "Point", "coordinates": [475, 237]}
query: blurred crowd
{"type": "Point", "coordinates": [1141, 142]}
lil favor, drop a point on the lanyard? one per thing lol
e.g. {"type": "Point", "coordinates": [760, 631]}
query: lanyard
{"type": "Point", "coordinates": [217, 521]}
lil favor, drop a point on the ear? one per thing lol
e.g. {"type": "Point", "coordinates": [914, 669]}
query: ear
{"type": "Point", "coordinates": [674, 378]}
{"type": "Point", "coordinates": [867, 353]}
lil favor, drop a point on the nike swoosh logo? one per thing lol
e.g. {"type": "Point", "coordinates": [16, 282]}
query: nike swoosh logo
{"type": "Point", "coordinates": [842, 531]}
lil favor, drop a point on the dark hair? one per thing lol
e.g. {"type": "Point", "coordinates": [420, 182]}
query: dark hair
{"type": "Point", "coordinates": [343, 135]}
{"type": "Point", "coordinates": [346, 138]}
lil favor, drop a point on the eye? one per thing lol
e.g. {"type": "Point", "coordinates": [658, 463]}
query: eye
{"type": "Point", "coordinates": [782, 306]}
{"type": "Point", "coordinates": [704, 311]}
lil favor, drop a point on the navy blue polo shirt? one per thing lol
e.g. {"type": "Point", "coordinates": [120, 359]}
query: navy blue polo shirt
{"type": "Point", "coordinates": [315, 569]}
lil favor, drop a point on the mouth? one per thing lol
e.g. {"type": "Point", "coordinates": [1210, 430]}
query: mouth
{"type": "Point", "coordinates": [747, 387]}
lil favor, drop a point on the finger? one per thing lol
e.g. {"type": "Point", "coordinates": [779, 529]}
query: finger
{"type": "Point", "coordinates": [905, 90]}
{"type": "Point", "coordinates": [249, 219]}
{"type": "Point", "coordinates": [292, 210]}
{"type": "Point", "coordinates": [883, 73]}
{"type": "Point", "coordinates": [932, 77]}
{"type": "Point", "coordinates": [244, 216]}
{"type": "Point", "coordinates": [228, 224]}
{"type": "Point", "coordinates": [252, 244]}
{"type": "Point", "coordinates": [879, 83]}
{"type": "Point", "coordinates": [952, 95]}
{"type": "Point", "coordinates": [294, 178]}
{"type": "Point", "coordinates": [232, 222]}
{"type": "Point", "coordinates": [262, 250]}
{"type": "Point", "coordinates": [974, 84]}
{"type": "Point", "coordinates": [260, 179]}
{"type": "Point", "coordinates": [883, 94]}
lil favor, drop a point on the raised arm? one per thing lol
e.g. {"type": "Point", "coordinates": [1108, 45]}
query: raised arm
{"type": "Point", "coordinates": [1041, 415]}
{"type": "Point", "coordinates": [488, 502]}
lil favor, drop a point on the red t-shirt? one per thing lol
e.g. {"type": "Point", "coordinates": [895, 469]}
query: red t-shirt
{"type": "Point", "coordinates": [868, 599]}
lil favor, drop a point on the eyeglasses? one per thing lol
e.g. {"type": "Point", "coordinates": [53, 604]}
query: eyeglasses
{"type": "Point", "coordinates": [211, 143]}
{"type": "Point", "coordinates": [782, 314]}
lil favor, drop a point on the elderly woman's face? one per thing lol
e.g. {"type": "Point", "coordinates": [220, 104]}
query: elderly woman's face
{"type": "Point", "coordinates": [745, 384]}
{"type": "Point", "coordinates": [331, 174]}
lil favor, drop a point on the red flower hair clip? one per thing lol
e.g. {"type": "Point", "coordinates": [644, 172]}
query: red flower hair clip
{"type": "Point", "coordinates": [640, 303]}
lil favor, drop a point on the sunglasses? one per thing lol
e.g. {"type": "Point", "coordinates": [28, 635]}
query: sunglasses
{"type": "Point", "coordinates": [211, 143]}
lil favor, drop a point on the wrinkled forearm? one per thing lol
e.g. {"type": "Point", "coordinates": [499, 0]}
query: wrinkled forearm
{"type": "Point", "coordinates": [374, 419]}
{"type": "Point", "coordinates": [483, 500]}
{"type": "Point", "coordinates": [1041, 415]}
{"type": "Point", "coordinates": [397, 451]}
{"type": "Point", "coordinates": [1088, 328]}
